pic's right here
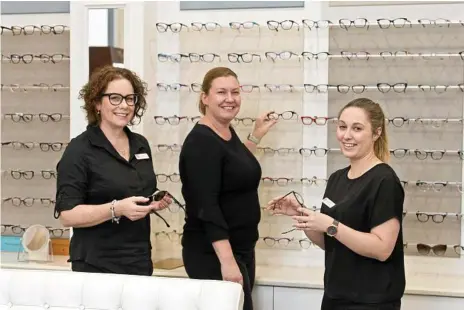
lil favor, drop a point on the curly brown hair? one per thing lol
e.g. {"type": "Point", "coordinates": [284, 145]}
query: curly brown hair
{"type": "Point", "coordinates": [93, 90]}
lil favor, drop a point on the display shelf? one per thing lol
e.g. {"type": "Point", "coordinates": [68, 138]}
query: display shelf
{"type": "Point", "coordinates": [427, 87]}
{"type": "Point", "coordinates": [313, 65]}
{"type": "Point", "coordinates": [35, 120]}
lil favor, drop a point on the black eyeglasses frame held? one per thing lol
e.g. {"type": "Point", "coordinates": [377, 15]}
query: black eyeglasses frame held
{"type": "Point", "coordinates": [157, 196]}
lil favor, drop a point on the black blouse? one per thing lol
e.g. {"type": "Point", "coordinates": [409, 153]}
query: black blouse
{"type": "Point", "coordinates": [362, 204]}
{"type": "Point", "coordinates": [92, 172]}
{"type": "Point", "coordinates": [220, 182]}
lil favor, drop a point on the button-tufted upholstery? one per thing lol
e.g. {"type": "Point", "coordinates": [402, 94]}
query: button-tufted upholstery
{"type": "Point", "coordinates": [65, 290]}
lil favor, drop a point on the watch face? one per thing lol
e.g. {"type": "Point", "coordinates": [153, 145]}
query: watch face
{"type": "Point", "coordinates": [332, 230]}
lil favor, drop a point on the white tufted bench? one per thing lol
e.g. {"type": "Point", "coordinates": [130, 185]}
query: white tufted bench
{"type": "Point", "coordinates": [65, 290]}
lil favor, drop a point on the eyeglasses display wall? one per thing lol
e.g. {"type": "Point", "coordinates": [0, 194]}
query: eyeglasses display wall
{"type": "Point", "coordinates": [257, 53]}
{"type": "Point", "coordinates": [414, 69]}
{"type": "Point", "coordinates": [34, 122]}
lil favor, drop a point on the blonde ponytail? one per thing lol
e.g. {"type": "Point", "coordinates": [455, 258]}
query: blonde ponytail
{"type": "Point", "coordinates": [381, 146]}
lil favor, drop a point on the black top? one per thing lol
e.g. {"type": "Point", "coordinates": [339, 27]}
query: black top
{"type": "Point", "coordinates": [362, 204]}
{"type": "Point", "coordinates": [220, 182]}
{"type": "Point", "coordinates": [92, 172]}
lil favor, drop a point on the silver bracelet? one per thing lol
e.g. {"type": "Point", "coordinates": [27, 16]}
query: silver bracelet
{"type": "Point", "coordinates": [114, 218]}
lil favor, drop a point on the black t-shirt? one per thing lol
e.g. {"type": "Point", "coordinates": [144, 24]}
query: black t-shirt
{"type": "Point", "coordinates": [362, 204]}
{"type": "Point", "coordinates": [92, 172]}
{"type": "Point", "coordinates": [220, 182]}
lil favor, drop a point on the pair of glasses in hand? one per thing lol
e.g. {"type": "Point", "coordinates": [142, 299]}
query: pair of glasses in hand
{"type": "Point", "coordinates": [297, 196]}
{"type": "Point", "coordinates": [157, 196]}
{"type": "Point", "coordinates": [298, 199]}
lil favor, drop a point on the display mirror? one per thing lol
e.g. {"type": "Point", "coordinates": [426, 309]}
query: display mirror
{"type": "Point", "coordinates": [105, 37]}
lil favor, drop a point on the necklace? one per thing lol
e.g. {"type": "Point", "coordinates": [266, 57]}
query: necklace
{"type": "Point", "coordinates": [122, 150]}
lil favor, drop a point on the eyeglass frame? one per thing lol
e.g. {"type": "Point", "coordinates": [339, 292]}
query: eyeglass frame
{"type": "Point", "coordinates": [297, 200]}
{"type": "Point", "coordinates": [157, 196]}
{"type": "Point", "coordinates": [136, 97]}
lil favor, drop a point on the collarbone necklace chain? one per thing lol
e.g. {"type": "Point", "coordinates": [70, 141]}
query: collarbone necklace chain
{"type": "Point", "coordinates": [124, 149]}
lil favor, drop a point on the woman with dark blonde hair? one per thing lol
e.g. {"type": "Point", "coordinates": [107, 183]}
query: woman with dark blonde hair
{"type": "Point", "coordinates": [360, 223]}
{"type": "Point", "coordinates": [104, 177]}
{"type": "Point", "coordinates": [220, 178]}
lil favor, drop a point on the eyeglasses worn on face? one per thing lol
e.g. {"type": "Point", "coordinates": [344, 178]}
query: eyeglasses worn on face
{"type": "Point", "coordinates": [116, 99]}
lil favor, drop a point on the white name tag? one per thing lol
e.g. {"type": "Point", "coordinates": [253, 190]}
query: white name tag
{"type": "Point", "coordinates": [329, 203]}
{"type": "Point", "coordinates": [142, 156]}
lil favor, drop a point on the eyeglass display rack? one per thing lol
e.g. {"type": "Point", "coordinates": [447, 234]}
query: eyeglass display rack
{"type": "Point", "coordinates": [35, 122]}
{"type": "Point", "coordinates": [413, 69]}
{"type": "Point", "coordinates": [200, 51]}
{"type": "Point", "coordinates": [363, 60]}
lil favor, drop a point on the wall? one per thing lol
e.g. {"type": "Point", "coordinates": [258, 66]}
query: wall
{"type": "Point", "coordinates": [38, 87]}
{"type": "Point", "coordinates": [334, 71]}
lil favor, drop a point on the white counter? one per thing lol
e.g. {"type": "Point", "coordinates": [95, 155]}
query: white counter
{"type": "Point", "coordinates": [436, 277]}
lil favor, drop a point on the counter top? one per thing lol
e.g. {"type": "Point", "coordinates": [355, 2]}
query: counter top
{"type": "Point", "coordinates": [427, 279]}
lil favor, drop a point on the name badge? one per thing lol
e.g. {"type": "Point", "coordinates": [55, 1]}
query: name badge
{"type": "Point", "coordinates": [329, 203]}
{"type": "Point", "coordinates": [142, 156]}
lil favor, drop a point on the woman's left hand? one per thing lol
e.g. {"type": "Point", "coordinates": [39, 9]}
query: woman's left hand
{"type": "Point", "coordinates": [262, 125]}
{"type": "Point", "coordinates": [162, 204]}
{"type": "Point", "coordinates": [311, 220]}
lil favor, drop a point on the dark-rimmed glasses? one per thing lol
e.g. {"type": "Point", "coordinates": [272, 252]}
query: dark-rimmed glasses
{"type": "Point", "coordinates": [425, 249]}
{"type": "Point", "coordinates": [15, 229]}
{"type": "Point", "coordinates": [298, 198]}
{"type": "Point", "coordinates": [287, 115]}
{"type": "Point", "coordinates": [116, 99]}
{"type": "Point", "coordinates": [26, 174]}
{"type": "Point", "coordinates": [157, 196]}
{"type": "Point", "coordinates": [164, 193]}
{"type": "Point", "coordinates": [436, 218]}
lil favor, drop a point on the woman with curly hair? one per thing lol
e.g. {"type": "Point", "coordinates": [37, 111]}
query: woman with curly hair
{"type": "Point", "coordinates": [104, 177]}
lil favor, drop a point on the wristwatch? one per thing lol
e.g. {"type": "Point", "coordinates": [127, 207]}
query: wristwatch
{"type": "Point", "coordinates": [253, 139]}
{"type": "Point", "coordinates": [332, 229]}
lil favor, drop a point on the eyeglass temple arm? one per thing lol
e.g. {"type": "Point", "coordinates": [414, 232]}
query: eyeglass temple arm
{"type": "Point", "coordinates": [177, 202]}
{"type": "Point", "coordinates": [157, 214]}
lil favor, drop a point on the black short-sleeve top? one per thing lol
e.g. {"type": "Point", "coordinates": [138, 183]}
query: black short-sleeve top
{"type": "Point", "coordinates": [362, 204]}
{"type": "Point", "coordinates": [91, 172]}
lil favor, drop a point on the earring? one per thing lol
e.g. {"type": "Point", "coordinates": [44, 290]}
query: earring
{"type": "Point", "coordinates": [98, 112]}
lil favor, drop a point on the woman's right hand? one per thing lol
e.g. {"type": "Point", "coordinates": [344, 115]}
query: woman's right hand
{"type": "Point", "coordinates": [287, 205]}
{"type": "Point", "coordinates": [231, 272]}
{"type": "Point", "coordinates": [130, 207]}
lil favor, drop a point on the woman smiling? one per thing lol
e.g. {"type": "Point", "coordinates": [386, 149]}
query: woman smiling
{"type": "Point", "coordinates": [360, 223]}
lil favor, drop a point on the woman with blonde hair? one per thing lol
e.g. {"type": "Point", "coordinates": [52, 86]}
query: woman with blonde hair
{"type": "Point", "coordinates": [360, 223]}
{"type": "Point", "coordinates": [220, 178]}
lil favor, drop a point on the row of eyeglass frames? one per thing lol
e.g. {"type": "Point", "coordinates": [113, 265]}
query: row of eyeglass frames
{"type": "Point", "coordinates": [422, 216]}
{"type": "Point", "coordinates": [289, 55]}
{"type": "Point", "coordinates": [19, 230]}
{"type": "Point", "coordinates": [422, 248]}
{"type": "Point", "coordinates": [343, 23]}
{"type": "Point", "coordinates": [310, 120]}
{"type": "Point", "coordinates": [436, 186]}
{"type": "Point", "coordinates": [248, 121]}
{"type": "Point", "coordinates": [384, 88]}
{"type": "Point", "coordinates": [29, 58]}
{"type": "Point", "coordinates": [317, 151]}
{"type": "Point", "coordinates": [42, 87]}
{"type": "Point", "coordinates": [400, 87]}
{"type": "Point", "coordinates": [33, 29]}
